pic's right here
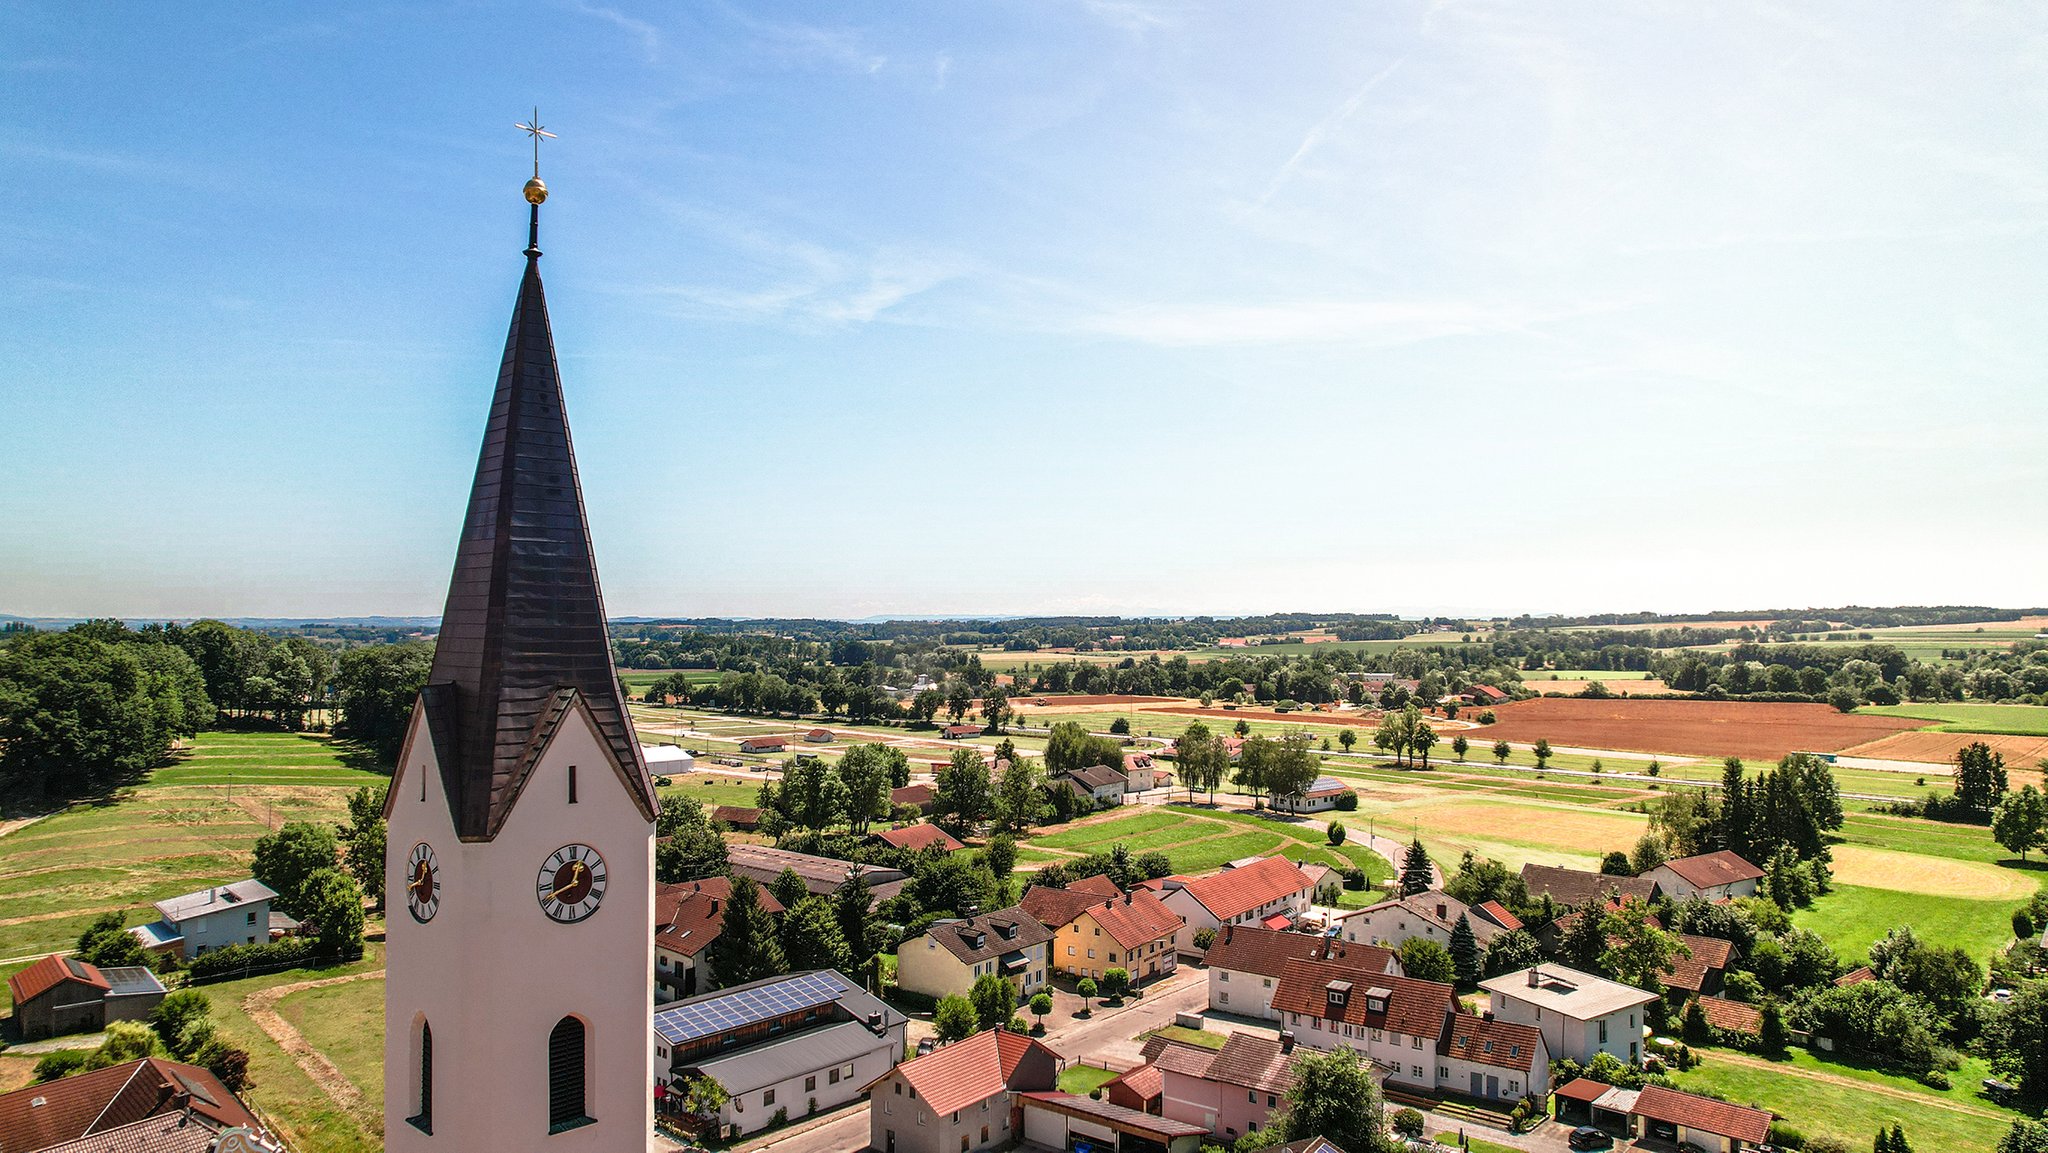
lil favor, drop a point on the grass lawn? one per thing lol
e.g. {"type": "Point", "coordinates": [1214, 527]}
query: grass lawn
{"type": "Point", "coordinates": [1205, 856]}
{"type": "Point", "coordinates": [1080, 1079]}
{"type": "Point", "coordinates": [1851, 917]}
{"type": "Point", "coordinates": [1101, 834]}
{"type": "Point", "coordinates": [1201, 1037]}
{"type": "Point", "coordinates": [1827, 1109]}
{"type": "Point", "coordinates": [2017, 720]}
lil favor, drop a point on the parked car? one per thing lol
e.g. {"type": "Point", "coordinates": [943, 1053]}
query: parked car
{"type": "Point", "coordinates": [1589, 1137]}
{"type": "Point", "coordinates": [2002, 1092]}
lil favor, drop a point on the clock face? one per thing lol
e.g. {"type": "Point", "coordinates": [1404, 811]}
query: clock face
{"type": "Point", "coordinates": [571, 883]}
{"type": "Point", "coordinates": [423, 883]}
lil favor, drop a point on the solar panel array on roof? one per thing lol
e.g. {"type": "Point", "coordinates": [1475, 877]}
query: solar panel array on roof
{"type": "Point", "coordinates": [682, 1023]}
{"type": "Point", "coordinates": [126, 979]}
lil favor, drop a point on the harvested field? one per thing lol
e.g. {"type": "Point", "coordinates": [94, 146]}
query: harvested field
{"type": "Point", "coordinates": [1086, 701]}
{"type": "Point", "coordinates": [1580, 830]}
{"type": "Point", "coordinates": [1644, 687]}
{"type": "Point", "coordinates": [1693, 728]}
{"type": "Point", "coordinates": [1940, 748]}
{"type": "Point", "coordinates": [1935, 876]}
{"type": "Point", "coordinates": [1365, 720]}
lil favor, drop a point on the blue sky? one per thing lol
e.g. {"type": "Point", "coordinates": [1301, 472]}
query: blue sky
{"type": "Point", "coordinates": [1037, 307]}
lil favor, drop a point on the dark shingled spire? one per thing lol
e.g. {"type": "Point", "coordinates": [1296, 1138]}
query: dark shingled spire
{"type": "Point", "coordinates": [523, 635]}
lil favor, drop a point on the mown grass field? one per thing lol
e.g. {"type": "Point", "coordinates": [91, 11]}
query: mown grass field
{"type": "Point", "coordinates": [190, 824]}
{"type": "Point", "coordinates": [2012, 720]}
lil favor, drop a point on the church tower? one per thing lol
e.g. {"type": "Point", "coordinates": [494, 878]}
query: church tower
{"type": "Point", "coordinates": [519, 964]}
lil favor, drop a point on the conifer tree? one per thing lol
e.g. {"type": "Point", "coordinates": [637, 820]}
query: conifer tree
{"type": "Point", "coordinates": [746, 948]}
{"type": "Point", "coordinates": [811, 938]}
{"type": "Point", "coordinates": [788, 889]}
{"type": "Point", "coordinates": [1416, 873]}
{"type": "Point", "coordinates": [1465, 957]}
{"type": "Point", "coordinates": [850, 904]}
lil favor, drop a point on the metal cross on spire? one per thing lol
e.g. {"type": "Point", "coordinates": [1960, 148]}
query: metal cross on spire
{"type": "Point", "coordinates": [533, 128]}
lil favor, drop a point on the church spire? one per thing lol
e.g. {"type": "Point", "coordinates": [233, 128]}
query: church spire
{"type": "Point", "coordinates": [523, 639]}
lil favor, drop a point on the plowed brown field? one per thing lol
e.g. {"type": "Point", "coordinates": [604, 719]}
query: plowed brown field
{"type": "Point", "coordinates": [1056, 701]}
{"type": "Point", "coordinates": [1694, 728]}
{"type": "Point", "coordinates": [1938, 748]}
{"type": "Point", "coordinates": [1363, 720]}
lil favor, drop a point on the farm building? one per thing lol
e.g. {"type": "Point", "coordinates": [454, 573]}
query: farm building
{"type": "Point", "coordinates": [960, 732]}
{"type": "Point", "coordinates": [1065, 1121]}
{"type": "Point", "coordinates": [763, 745]}
{"type": "Point", "coordinates": [822, 876]}
{"type": "Point", "coordinates": [59, 995]}
{"type": "Point", "coordinates": [777, 1044]}
{"type": "Point", "coordinates": [666, 760]}
{"type": "Point", "coordinates": [1571, 888]}
{"type": "Point", "coordinates": [819, 736]}
{"type": "Point", "coordinates": [741, 817]}
{"type": "Point", "coordinates": [919, 795]}
{"type": "Point", "coordinates": [1098, 783]}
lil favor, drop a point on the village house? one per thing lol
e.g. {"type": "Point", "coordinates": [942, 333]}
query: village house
{"type": "Point", "coordinates": [1397, 1022]}
{"type": "Point", "coordinates": [1142, 773]}
{"type": "Point", "coordinates": [1245, 962]}
{"type": "Point", "coordinates": [213, 918]}
{"type": "Point", "coordinates": [918, 796]}
{"type": "Point", "coordinates": [687, 918]}
{"type": "Point", "coordinates": [61, 994]}
{"type": "Point", "coordinates": [1431, 915]}
{"type": "Point", "coordinates": [917, 838]}
{"type": "Point", "coordinates": [1098, 783]}
{"type": "Point", "coordinates": [947, 957]}
{"type": "Point", "coordinates": [740, 818]}
{"type": "Point", "coordinates": [819, 736]}
{"type": "Point", "coordinates": [763, 744]}
{"type": "Point", "coordinates": [1322, 795]}
{"type": "Point", "coordinates": [959, 1098]}
{"type": "Point", "coordinates": [1700, 971]}
{"type": "Point", "coordinates": [1493, 1059]}
{"type": "Point", "coordinates": [145, 1106]}
{"type": "Point", "coordinates": [1265, 891]}
{"type": "Point", "coordinates": [1734, 1018]}
{"type": "Point", "coordinates": [1579, 1014]}
{"type": "Point", "coordinates": [1713, 876]}
{"type": "Point", "coordinates": [960, 732]}
{"type": "Point", "coordinates": [1229, 1091]}
{"type": "Point", "coordinates": [795, 1045]}
{"type": "Point", "coordinates": [1574, 888]}
{"type": "Point", "coordinates": [1134, 932]}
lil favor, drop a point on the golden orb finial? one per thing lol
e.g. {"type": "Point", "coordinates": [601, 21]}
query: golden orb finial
{"type": "Point", "coordinates": [536, 192]}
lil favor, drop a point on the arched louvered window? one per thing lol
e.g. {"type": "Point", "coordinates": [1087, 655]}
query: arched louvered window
{"type": "Point", "coordinates": [565, 1076]}
{"type": "Point", "coordinates": [424, 1086]}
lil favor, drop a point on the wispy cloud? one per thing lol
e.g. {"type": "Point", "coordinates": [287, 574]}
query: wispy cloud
{"type": "Point", "coordinates": [1129, 15]}
{"type": "Point", "coordinates": [841, 48]}
{"type": "Point", "coordinates": [1324, 127]}
{"type": "Point", "coordinates": [647, 34]}
{"type": "Point", "coordinates": [1373, 322]}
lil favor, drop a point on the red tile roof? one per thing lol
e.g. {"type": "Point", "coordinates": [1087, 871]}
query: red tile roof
{"type": "Point", "coordinates": [762, 744]}
{"type": "Point", "coordinates": [1115, 1116]}
{"type": "Point", "coordinates": [1095, 777]}
{"type": "Point", "coordinates": [1098, 884]}
{"type": "Point", "coordinates": [818, 735]}
{"type": "Point", "coordinates": [920, 837]}
{"type": "Point", "coordinates": [1499, 915]}
{"type": "Point", "coordinates": [1575, 887]}
{"type": "Point", "coordinates": [1717, 868]}
{"type": "Point", "coordinates": [1498, 1043]}
{"type": "Point", "coordinates": [1489, 692]}
{"type": "Point", "coordinates": [1855, 976]}
{"type": "Point", "coordinates": [1732, 1016]}
{"type": "Point", "coordinates": [738, 816]}
{"type": "Point", "coordinates": [958, 1075]}
{"type": "Point", "coordinates": [1417, 1008]}
{"type": "Point", "coordinates": [689, 916]}
{"type": "Point", "coordinates": [50, 972]}
{"type": "Point", "coordinates": [1135, 919]}
{"type": "Point", "coordinates": [1234, 892]}
{"type": "Point", "coordinates": [1243, 949]}
{"type": "Point", "coordinates": [919, 795]}
{"type": "Point", "coordinates": [1144, 1082]}
{"type": "Point", "coordinates": [1696, 1112]}
{"type": "Point", "coordinates": [1690, 973]}
{"type": "Point", "coordinates": [1054, 907]}
{"type": "Point", "coordinates": [87, 1103]}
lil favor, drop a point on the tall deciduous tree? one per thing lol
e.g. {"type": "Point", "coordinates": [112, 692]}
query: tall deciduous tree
{"type": "Point", "coordinates": [1201, 758]}
{"type": "Point", "coordinates": [965, 797]}
{"type": "Point", "coordinates": [864, 771]}
{"type": "Point", "coordinates": [287, 859]}
{"type": "Point", "coordinates": [375, 688]}
{"type": "Point", "coordinates": [362, 836]}
{"type": "Point", "coordinates": [1335, 1097]}
{"type": "Point", "coordinates": [2021, 822]}
{"type": "Point", "coordinates": [1980, 776]}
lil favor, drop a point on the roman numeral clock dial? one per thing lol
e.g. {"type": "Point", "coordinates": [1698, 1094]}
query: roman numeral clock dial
{"type": "Point", "coordinates": [423, 883]}
{"type": "Point", "coordinates": [571, 883]}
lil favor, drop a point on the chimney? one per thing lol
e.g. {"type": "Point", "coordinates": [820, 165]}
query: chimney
{"type": "Point", "coordinates": [714, 904]}
{"type": "Point", "coordinates": [1443, 911]}
{"type": "Point", "coordinates": [1287, 1040]}
{"type": "Point", "coordinates": [1535, 977]}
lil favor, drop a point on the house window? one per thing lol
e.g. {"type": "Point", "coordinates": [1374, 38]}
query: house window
{"type": "Point", "coordinates": [1251, 1096]}
{"type": "Point", "coordinates": [898, 1087]}
{"type": "Point", "coordinates": [768, 1098]}
{"type": "Point", "coordinates": [424, 1119]}
{"type": "Point", "coordinates": [1223, 998]}
{"type": "Point", "coordinates": [1603, 1032]}
{"type": "Point", "coordinates": [566, 1076]}
{"type": "Point", "coordinates": [846, 1070]}
{"type": "Point", "coordinates": [832, 1077]}
{"type": "Point", "coordinates": [1271, 1101]}
{"type": "Point", "coordinates": [1415, 1043]}
{"type": "Point", "coordinates": [1514, 1088]}
{"type": "Point", "coordinates": [811, 1083]}
{"type": "Point", "coordinates": [1443, 1071]}
{"type": "Point", "coordinates": [1223, 977]}
{"type": "Point", "coordinates": [1070, 952]}
{"type": "Point", "coordinates": [572, 784]}
{"type": "Point", "coordinates": [251, 918]}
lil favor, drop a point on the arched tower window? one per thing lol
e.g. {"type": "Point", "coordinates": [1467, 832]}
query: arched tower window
{"type": "Point", "coordinates": [423, 1085]}
{"type": "Point", "coordinates": [566, 1077]}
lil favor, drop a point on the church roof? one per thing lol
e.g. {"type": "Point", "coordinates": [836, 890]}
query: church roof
{"type": "Point", "coordinates": [523, 641]}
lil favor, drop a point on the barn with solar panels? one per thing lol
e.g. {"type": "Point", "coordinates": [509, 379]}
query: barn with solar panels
{"type": "Point", "coordinates": [803, 1043]}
